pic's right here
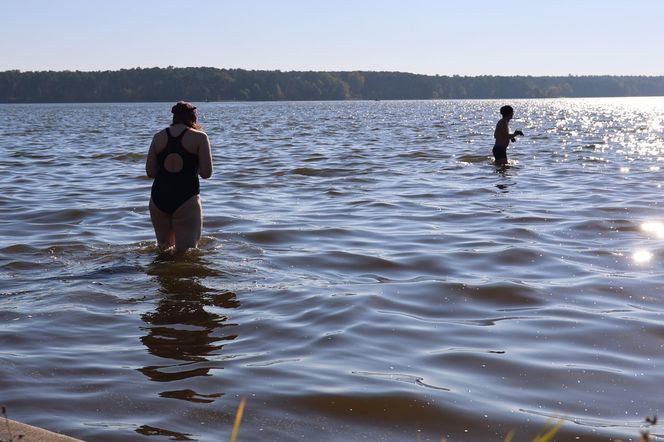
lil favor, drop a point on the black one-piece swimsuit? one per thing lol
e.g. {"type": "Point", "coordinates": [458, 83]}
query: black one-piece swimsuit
{"type": "Point", "coordinates": [171, 189]}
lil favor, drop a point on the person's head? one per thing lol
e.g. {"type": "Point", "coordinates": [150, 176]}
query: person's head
{"type": "Point", "coordinates": [507, 111]}
{"type": "Point", "coordinates": [185, 113]}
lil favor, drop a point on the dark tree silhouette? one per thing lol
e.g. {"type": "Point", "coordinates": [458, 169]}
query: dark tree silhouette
{"type": "Point", "coordinates": [211, 84]}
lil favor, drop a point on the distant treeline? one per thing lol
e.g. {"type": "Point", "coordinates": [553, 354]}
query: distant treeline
{"type": "Point", "coordinates": [211, 84]}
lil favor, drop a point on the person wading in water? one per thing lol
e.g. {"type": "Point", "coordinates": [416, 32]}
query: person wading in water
{"type": "Point", "coordinates": [503, 136]}
{"type": "Point", "coordinates": [178, 155]}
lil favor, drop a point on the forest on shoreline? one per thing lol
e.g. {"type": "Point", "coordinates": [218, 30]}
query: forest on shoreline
{"type": "Point", "coordinates": [202, 84]}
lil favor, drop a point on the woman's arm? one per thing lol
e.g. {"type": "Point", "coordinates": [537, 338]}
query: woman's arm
{"type": "Point", "coordinates": [151, 166]}
{"type": "Point", "coordinates": [204, 157]}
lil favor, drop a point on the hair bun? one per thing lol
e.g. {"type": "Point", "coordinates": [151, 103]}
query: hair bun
{"type": "Point", "coordinates": [182, 107]}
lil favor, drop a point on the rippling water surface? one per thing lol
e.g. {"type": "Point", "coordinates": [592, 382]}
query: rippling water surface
{"type": "Point", "coordinates": [366, 273]}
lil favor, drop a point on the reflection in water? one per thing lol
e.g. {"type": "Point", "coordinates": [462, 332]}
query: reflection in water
{"type": "Point", "coordinates": [147, 430]}
{"type": "Point", "coordinates": [188, 325]}
{"type": "Point", "coordinates": [505, 171]}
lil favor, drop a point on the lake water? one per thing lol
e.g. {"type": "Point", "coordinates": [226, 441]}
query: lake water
{"type": "Point", "coordinates": [366, 273]}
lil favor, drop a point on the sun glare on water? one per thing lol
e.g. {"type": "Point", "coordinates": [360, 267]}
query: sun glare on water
{"type": "Point", "coordinates": [654, 228]}
{"type": "Point", "coordinates": [642, 256]}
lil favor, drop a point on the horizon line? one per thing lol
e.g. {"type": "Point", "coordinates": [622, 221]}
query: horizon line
{"type": "Point", "coordinates": [21, 71]}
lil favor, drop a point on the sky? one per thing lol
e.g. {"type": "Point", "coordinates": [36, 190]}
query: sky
{"type": "Point", "coordinates": [464, 37]}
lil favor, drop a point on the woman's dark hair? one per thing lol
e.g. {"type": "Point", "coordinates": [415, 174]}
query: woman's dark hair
{"type": "Point", "coordinates": [185, 113]}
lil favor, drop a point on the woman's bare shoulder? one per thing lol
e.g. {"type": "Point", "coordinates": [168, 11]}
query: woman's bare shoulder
{"type": "Point", "coordinates": [160, 135]}
{"type": "Point", "coordinates": [197, 133]}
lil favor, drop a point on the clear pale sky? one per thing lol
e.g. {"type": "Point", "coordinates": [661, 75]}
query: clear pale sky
{"type": "Point", "coordinates": [465, 37]}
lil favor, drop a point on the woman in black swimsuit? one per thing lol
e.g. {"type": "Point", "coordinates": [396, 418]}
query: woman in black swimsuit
{"type": "Point", "coordinates": [178, 155]}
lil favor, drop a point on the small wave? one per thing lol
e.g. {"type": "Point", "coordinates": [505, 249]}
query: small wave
{"type": "Point", "coordinates": [273, 362]}
{"type": "Point", "coordinates": [473, 159]}
{"type": "Point", "coordinates": [487, 322]}
{"type": "Point", "coordinates": [129, 157]}
{"type": "Point", "coordinates": [328, 173]}
{"type": "Point", "coordinates": [19, 249]}
{"type": "Point", "coordinates": [501, 294]}
{"type": "Point", "coordinates": [291, 236]}
{"type": "Point", "coordinates": [416, 380]}
{"type": "Point", "coordinates": [105, 272]}
{"type": "Point", "coordinates": [315, 158]}
{"type": "Point", "coordinates": [51, 216]}
{"type": "Point", "coordinates": [415, 154]}
{"type": "Point", "coordinates": [593, 424]}
{"type": "Point", "coordinates": [469, 350]}
{"type": "Point", "coordinates": [343, 261]}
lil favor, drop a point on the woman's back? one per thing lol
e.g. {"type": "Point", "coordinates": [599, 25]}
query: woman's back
{"type": "Point", "coordinates": [177, 156]}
